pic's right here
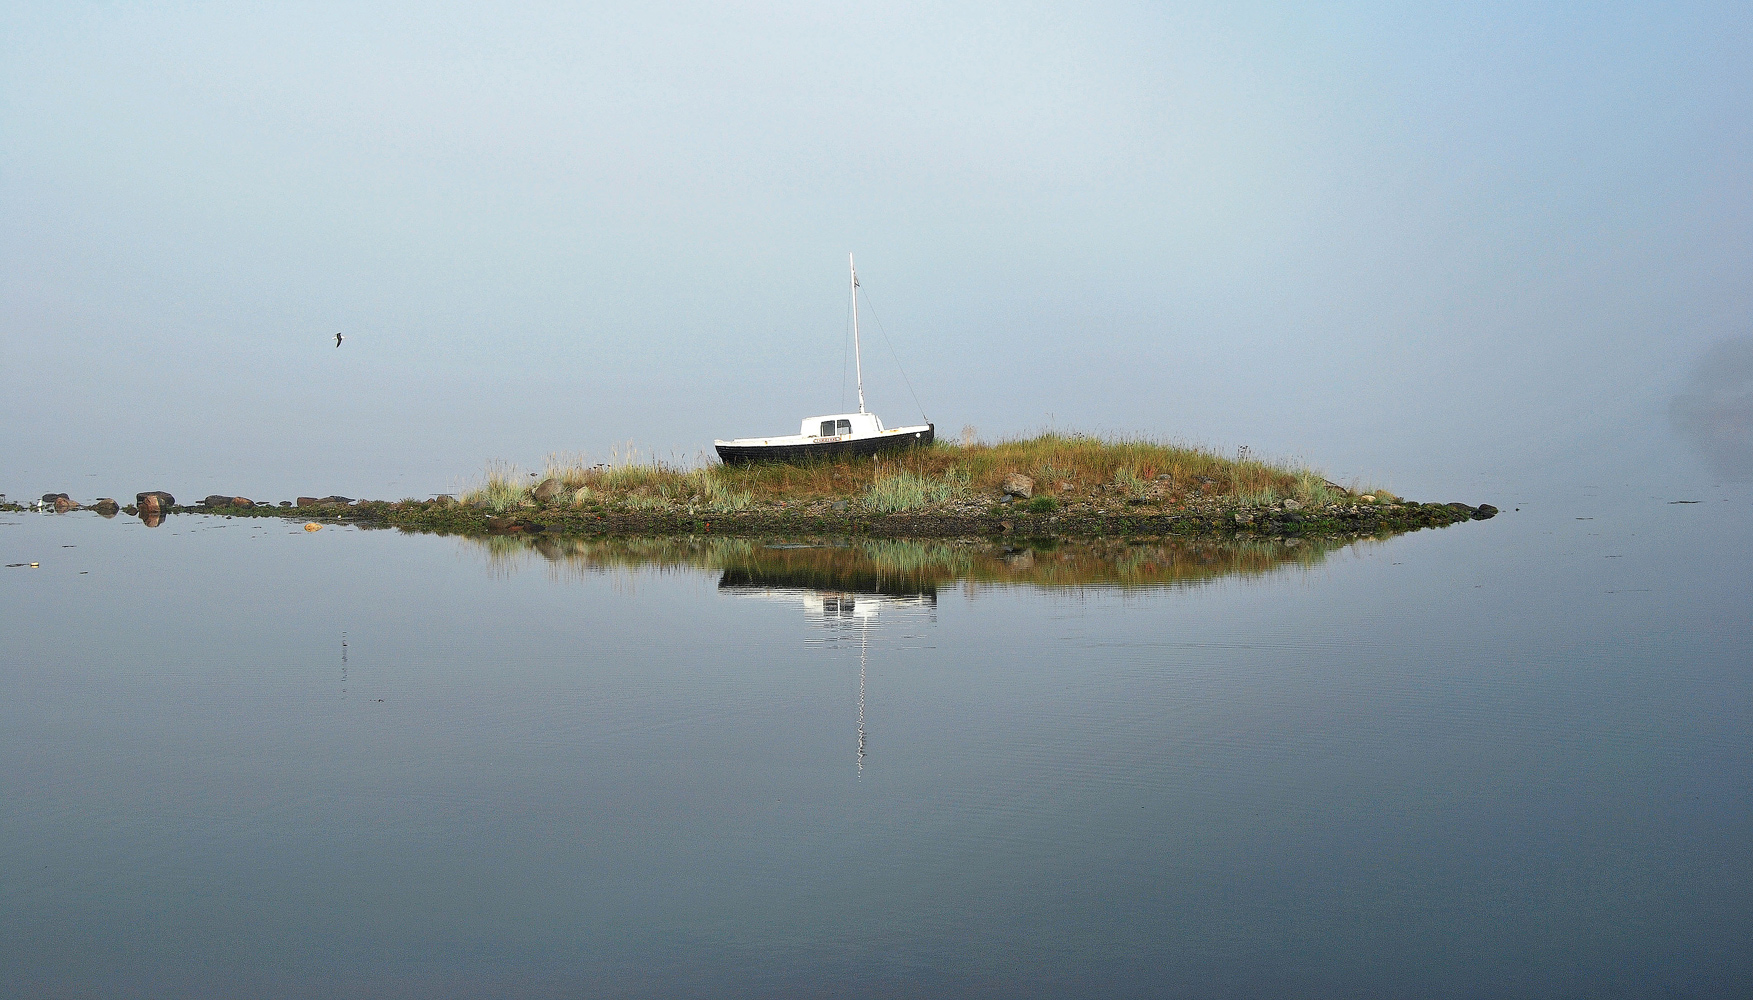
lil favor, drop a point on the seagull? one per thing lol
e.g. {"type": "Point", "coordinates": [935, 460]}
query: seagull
{"type": "Point", "coordinates": [337, 340]}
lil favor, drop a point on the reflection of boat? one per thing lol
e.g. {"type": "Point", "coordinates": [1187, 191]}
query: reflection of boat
{"type": "Point", "coordinates": [832, 435]}
{"type": "Point", "coordinates": [833, 606]}
{"type": "Point", "coordinates": [842, 612]}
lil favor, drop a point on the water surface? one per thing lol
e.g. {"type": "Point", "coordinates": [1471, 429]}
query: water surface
{"type": "Point", "coordinates": [1508, 757]}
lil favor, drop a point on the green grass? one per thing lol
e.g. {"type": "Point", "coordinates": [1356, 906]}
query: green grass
{"type": "Point", "coordinates": [1067, 468]}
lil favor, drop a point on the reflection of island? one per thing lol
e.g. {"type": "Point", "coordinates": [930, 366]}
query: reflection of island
{"type": "Point", "coordinates": [887, 567]}
{"type": "Point", "coordinates": [864, 588]}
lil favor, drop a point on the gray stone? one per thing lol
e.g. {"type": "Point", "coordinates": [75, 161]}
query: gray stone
{"type": "Point", "coordinates": [1484, 511]}
{"type": "Point", "coordinates": [1292, 505]}
{"type": "Point", "coordinates": [1018, 485]}
{"type": "Point", "coordinates": [548, 489]}
{"type": "Point", "coordinates": [154, 502]}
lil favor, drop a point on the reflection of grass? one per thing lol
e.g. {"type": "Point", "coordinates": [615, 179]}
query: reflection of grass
{"type": "Point", "coordinates": [1068, 466]}
{"type": "Point", "coordinates": [905, 566]}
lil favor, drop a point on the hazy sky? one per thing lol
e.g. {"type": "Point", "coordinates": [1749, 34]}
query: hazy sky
{"type": "Point", "coordinates": [1395, 242]}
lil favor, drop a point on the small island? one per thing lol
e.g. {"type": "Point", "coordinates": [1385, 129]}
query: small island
{"type": "Point", "coordinates": [1051, 485]}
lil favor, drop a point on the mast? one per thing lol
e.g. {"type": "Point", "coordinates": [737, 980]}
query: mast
{"type": "Point", "coordinates": [857, 357]}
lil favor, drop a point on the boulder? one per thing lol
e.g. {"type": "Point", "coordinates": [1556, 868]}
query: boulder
{"type": "Point", "coordinates": [1484, 511]}
{"type": "Point", "coordinates": [50, 498]}
{"type": "Point", "coordinates": [1290, 504]}
{"type": "Point", "coordinates": [106, 506]}
{"type": "Point", "coordinates": [155, 502]}
{"type": "Point", "coordinates": [64, 503]}
{"type": "Point", "coordinates": [130, 510]}
{"type": "Point", "coordinates": [1018, 485]}
{"type": "Point", "coordinates": [548, 489]}
{"type": "Point", "coordinates": [308, 501]}
{"type": "Point", "coordinates": [501, 523]}
{"type": "Point", "coordinates": [343, 501]}
{"type": "Point", "coordinates": [217, 501]}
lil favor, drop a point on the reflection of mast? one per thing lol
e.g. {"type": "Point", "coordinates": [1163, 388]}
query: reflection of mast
{"type": "Point", "coordinates": [861, 645]}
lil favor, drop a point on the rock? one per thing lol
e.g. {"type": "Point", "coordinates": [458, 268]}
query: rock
{"type": "Point", "coordinates": [445, 500]}
{"type": "Point", "coordinates": [63, 504]}
{"type": "Point", "coordinates": [1290, 504]}
{"type": "Point", "coordinates": [839, 505]}
{"type": "Point", "coordinates": [547, 490]}
{"type": "Point", "coordinates": [155, 502]}
{"type": "Point", "coordinates": [501, 523]}
{"type": "Point", "coordinates": [219, 501]}
{"type": "Point", "coordinates": [1244, 518]}
{"type": "Point", "coordinates": [1368, 498]}
{"type": "Point", "coordinates": [52, 497]}
{"type": "Point", "coordinates": [242, 502]}
{"type": "Point", "coordinates": [336, 499]}
{"type": "Point", "coordinates": [106, 506]}
{"type": "Point", "coordinates": [130, 510]}
{"type": "Point", "coordinates": [1006, 526]}
{"type": "Point", "coordinates": [1484, 511]}
{"type": "Point", "coordinates": [535, 529]}
{"type": "Point", "coordinates": [312, 526]}
{"type": "Point", "coordinates": [308, 501]}
{"type": "Point", "coordinates": [1018, 485]}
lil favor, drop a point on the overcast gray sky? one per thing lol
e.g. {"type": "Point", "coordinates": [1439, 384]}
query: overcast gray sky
{"type": "Point", "coordinates": [1394, 242]}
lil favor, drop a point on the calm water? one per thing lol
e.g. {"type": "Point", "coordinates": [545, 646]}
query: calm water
{"type": "Point", "coordinates": [1506, 758]}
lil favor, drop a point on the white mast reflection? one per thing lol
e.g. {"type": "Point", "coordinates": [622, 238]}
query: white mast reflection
{"type": "Point", "coordinates": [842, 614]}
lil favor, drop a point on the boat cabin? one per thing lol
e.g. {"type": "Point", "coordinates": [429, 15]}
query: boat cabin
{"type": "Point", "coordinates": [841, 425]}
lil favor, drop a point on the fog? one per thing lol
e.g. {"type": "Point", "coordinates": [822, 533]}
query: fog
{"type": "Point", "coordinates": [1416, 247]}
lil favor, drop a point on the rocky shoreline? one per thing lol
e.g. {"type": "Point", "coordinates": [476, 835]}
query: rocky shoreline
{"type": "Point", "coordinates": [445, 515]}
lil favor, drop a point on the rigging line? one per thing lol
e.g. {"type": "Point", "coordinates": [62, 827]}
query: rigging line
{"type": "Point", "coordinates": [896, 356]}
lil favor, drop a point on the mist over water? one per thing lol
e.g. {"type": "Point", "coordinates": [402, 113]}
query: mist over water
{"type": "Point", "coordinates": [1715, 409]}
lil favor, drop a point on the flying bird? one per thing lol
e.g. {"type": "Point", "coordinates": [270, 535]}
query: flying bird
{"type": "Point", "coordinates": [337, 340]}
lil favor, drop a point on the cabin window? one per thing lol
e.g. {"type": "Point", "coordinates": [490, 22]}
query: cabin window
{"type": "Point", "coordinates": [843, 427]}
{"type": "Point", "coordinates": [827, 428]}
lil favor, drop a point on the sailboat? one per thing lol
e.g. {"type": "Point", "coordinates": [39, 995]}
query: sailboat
{"type": "Point", "coordinates": [830, 435]}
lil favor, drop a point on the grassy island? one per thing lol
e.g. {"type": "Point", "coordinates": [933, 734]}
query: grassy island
{"type": "Point", "coordinates": [1048, 486]}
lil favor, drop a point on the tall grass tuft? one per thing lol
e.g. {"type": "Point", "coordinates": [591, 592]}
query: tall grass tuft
{"type": "Point", "coordinates": [503, 486]}
{"type": "Point", "coordinates": [907, 490]}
